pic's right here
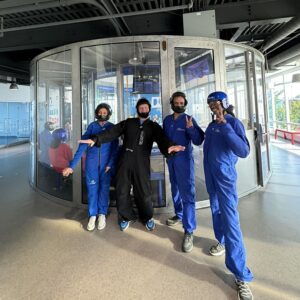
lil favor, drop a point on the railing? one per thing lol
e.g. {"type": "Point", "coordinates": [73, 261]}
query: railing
{"type": "Point", "coordinates": [291, 126]}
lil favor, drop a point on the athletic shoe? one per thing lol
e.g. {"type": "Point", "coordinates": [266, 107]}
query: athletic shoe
{"type": "Point", "coordinates": [243, 290]}
{"type": "Point", "coordinates": [101, 222]}
{"type": "Point", "coordinates": [124, 225]}
{"type": "Point", "coordinates": [91, 224]}
{"type": "Point", "coordinates": [173, 221]}
{"type": "Point", "coordinates": [187, 244]}
{"type": "Point", "coordinates": [150, 224]}
{"type": "Point", "coordinates": [217, 250]}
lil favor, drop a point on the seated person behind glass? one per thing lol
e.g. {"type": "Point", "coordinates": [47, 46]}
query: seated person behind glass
{"type": "Point", "coordinates": [60, 153]}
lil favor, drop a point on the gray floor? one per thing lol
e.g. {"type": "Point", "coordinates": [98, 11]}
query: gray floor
{"type": "Point", "coordinates": [45, 252]}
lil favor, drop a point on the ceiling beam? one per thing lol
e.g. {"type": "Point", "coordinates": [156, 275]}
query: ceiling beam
{"type": "Point", "coordinates": [283, 32]}
{"type": "Point", "coordinates": [286, 55]}
{"type": "Point", "coordinates": [238, 33]}
{"type": "Point", "coordinates": [25, 6]}
{"type": "Point", "coordinates": [51, 37]}
{"type": "Point", "coordinates": [253, 23]}
{"type": "Point", "coordinates": [106, 17]}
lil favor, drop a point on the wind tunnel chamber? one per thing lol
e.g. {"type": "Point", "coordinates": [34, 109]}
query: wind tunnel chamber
{"type": "Point", "coordinates": [68, 82]}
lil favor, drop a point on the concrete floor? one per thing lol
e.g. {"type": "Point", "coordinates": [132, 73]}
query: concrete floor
{"type": "Point", "coordinates": [45, 252]}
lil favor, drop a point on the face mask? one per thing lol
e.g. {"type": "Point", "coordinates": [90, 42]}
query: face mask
{"type": "Point", "coordinates": [178, 109]}
{"type": "Point", "coordinates": [51, 127]}
{"type": "Point", "coordinates": [143, 115]}
{"type": "Point", "coordinates": [102, 118]}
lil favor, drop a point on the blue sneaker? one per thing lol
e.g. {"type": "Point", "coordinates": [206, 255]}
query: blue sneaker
{"type": "Point", "coordinates": [124, 225]}
{"type": "Point", "coordinates": [150, 224]}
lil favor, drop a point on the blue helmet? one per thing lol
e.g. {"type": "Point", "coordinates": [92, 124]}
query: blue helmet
{"type": "Point", "coordinates": [218, 96]}
{"type": "Point", "coordinates": [60, 134]}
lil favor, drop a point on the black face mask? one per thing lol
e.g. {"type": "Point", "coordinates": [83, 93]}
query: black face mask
{"type": "Point", "coordinates": [102, 118]}
{"type": "Point", "coordinates": [178, 109]}
{"type": "Point", "coordinates": [143, 115]}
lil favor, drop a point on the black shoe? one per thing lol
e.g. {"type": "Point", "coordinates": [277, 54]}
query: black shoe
{"type": "Point", "coordinates": [173, 221]}
{"type": "Point", "coordinates": [187, 244]}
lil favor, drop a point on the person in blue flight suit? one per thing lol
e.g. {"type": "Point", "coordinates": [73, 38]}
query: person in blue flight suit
{"type": "Point", "coordinates": [225, 141]}
{"type": "Point", "coordinates": [98, 167]}
{"type": "Point", "coordinates": [133, 168]}
{"type": "Point", "coordinates": [183, 130]}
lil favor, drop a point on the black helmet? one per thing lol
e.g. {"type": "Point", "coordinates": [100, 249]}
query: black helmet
{"type": "Point", "coordinates": [143, 101]}
{"type": "Point", "coordinates": [178, 94]}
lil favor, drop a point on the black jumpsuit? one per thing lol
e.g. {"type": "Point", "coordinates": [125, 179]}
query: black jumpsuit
{"type": "Point", "coordinates": [134, 164]}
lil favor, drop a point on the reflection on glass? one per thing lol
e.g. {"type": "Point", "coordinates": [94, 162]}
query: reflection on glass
{"type": "Point", "coordinates": [237, 83]}
{"type": "Point", "coordinates": [54, 98]}
{"type": "Point", "coordinates": [120, 74]}
{"type": "Point", "coordinates": [143, 81]}
{"type": "Point", "coordinates": [195, 76]}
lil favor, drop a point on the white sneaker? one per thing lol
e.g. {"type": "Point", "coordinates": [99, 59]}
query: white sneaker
{"type": "Point", "coordinates": [91, 224]}
{"type": "Point", "coordinates": [101, 222]}
{"type": "Point", "coordinates": [243, 290]}
{"type": "Point", "coordinates": [217, 250]}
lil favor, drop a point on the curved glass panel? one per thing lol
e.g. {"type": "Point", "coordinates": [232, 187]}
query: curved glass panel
{"type": "Point", "coordinates": [120, 74]}
{"type": "Point", "coordinates": [195, 76]}
{"type": "Point", "coordinates": [119, 71]}
{"type": "Point", "coordinates": [262, 130]}
{"type": "Point", "coordinates": [238, 89]}
{"type": "Point", "coordinates": [237, 86]}
{"type": "Point", "coordinates": [54, 103]}
{"type": "Point", "coordinates": [32, 173]}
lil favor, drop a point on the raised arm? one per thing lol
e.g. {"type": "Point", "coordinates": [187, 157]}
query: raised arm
{"type": "Point", "coordinates": [81, 148]}
{"type": "Point", "coordinates": [236, 138]}
{"type": "Point", "coordinates": [79, 152]}
{"type": "Point", "coordinates": [105, 137]}
{"type": "Point", "coordinates": [109, 135]}
{"type": "Point", "coordinates": [195, 133]}
{"type": "Point", "coordinates": [165, 146]}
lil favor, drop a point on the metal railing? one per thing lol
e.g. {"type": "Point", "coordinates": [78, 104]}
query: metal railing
{"type": "Point", "coordinates": [273, 125]}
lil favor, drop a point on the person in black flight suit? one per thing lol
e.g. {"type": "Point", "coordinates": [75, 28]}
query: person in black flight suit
{"type": "Point", "coordinates": [134, 162]}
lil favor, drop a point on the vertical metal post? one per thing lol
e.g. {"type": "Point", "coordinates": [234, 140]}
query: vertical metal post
{"type": "Point", "coordinates": [1, 27]}
{"type": "Point", "coordinates": [249, 90]}
{"type": "Point", "coordinates": [76, 121]}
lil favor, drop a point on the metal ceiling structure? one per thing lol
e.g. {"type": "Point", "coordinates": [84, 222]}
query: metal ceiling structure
{"type": "Point", "coordinates": [29, 27]}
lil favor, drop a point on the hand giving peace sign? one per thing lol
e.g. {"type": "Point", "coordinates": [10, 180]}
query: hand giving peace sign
{"type": "Point", "coordinates": [189, 121]}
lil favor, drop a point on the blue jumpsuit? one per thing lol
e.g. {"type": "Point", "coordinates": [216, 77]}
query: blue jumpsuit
{"type": "Point", "coordinates": [97, 159]}
{"type": "Point", "coordinates": [181, 168]}
{"type": "Point", "coordinates": [224, 143]}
